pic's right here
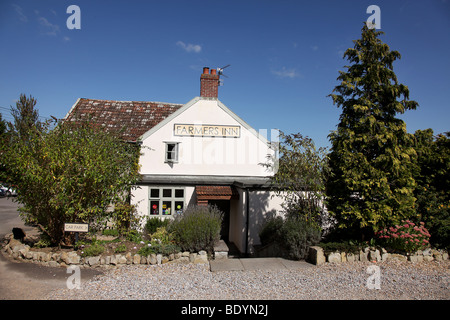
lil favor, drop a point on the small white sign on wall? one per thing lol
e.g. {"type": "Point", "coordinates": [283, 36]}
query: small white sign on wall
{"type": "Point", "coordinates": [76, 227]}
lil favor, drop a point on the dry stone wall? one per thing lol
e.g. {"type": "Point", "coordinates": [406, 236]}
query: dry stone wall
{"type": "Point", "coordinates": [317, 255]}
{"type": "Point", "coordinates": [20, 251]}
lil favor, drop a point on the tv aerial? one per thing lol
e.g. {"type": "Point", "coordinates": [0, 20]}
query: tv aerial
{"type": "Point", "coordinates": [220, 70]}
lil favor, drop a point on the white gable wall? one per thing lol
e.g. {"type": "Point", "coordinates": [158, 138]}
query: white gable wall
{"type": "Point", "coordinates": [228, 156]}
{"type": "Point", "coordinates": [241, 156]}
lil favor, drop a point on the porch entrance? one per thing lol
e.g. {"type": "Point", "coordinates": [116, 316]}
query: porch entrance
{"type": "Point", "coordinates": [219, 196]}
{"type": "Point", "coordinates": [224, 206]}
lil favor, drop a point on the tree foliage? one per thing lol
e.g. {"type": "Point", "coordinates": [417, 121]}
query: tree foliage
{"type": "Point", "coordinates": [69, 174]}
{"type": "Point", "coordinates": [300, 178]}
{"type": "Point", "coordinates": [3, 143]}
{"type": "Point", "coordinates": [2, 127]}
{"type": "Point", "coordinates": [432, 174]}
{"type": "Point", "coordinates": [371, 184]}
{"type": "Point", "coordinates": [26, 117]}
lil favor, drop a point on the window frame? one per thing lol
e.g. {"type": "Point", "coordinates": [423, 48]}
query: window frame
{"type": "Point", "coordinates": [161, 200]}
{"type": "Point", "coordinates": [174, 152]}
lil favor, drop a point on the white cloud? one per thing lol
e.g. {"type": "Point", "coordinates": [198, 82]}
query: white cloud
{"type": "Point", "coordinates": [66, 38]}
{"type": "Point", "coordinates": [19, 11]}
{"type": "Point", "coordinates": [314, 48]}
{"type": "Point", "coordinates": [189, 47]}
{"type": "Point", "coordinates": [286, 73]}
{"type": "Point", "coordinates": [47, 27]}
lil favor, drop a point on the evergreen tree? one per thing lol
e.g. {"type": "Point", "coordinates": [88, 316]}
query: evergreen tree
{"type": "Point", "coordinates": [2, 127]}
{"type": "Point", "coordinates": [3, 141]}
{"type": "Point", "coordinates": [371, 183]}
{"type": "Point", "coordinates": [25, 117]}
{"type": "Point", "coordinates": [432, 174]}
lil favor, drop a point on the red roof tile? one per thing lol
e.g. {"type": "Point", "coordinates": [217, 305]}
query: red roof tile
{"type": "Point", "coordinates": [130, 119]}
{"type": "Point", "coordinates": [216, 192]}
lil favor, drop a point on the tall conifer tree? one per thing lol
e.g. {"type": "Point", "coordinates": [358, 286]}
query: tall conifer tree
{"type": "Point", "coordinates": [371, 185]}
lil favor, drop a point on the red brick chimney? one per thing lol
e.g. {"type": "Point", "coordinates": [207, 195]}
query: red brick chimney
{"type": "Point", "coordinates": [209, 83]}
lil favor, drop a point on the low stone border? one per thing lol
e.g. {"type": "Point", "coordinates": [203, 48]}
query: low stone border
{"type": "Point", "coordinates": [20, 251]}
{"type": "Point", "coordinates": [318, 257]}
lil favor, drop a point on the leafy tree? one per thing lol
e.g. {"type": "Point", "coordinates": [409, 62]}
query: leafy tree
{"type": "Point", "coordinates": [300, 178]}
{"type": "Point", "coordinates": [2, 127]}
{"type": "Point", "coordinates": [26, 117]}
{"type": "Point", "coordinates": [70, 174]}
{"type": "Point", "coordinates": [3, 141]}
{"type": "Point", "coordinates": [432, 174]}
{"type": "Point", "coordinates": [371, 184]}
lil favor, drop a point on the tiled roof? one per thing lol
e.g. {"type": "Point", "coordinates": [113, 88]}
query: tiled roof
{"type": "Point", "coordinates": [129, 118]}
{"type": "Point", "coordinates": [216, 192]}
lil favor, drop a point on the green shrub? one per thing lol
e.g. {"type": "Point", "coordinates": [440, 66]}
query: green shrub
{"type": "Point", "coordinates": [93, 250]}
{"type": "Point", "coordinates": [43, 242]}
{"type": "Point", "coordinates": [121, 248]}
{"type": "Point", "coordinates": [125, 217]}
{"type": "Point", "coordinates": [110, 232]}
{"type": "Point", "coordinates": [156, 248]}
{"type": "Point", "coordinates": [162, 236]}
{"type": "Point", "coordinates": [293, 235]}
{"type": "Point", "coordinates": [270, 230]}
{"type": "Point", "coordinates": [197, 228]}
{"type": "Point", "coordinates": [346, 246]}
{"type": "Point", "coordinates": [133, 236]}
{"type": "Point", "coordinates": [153, 223]}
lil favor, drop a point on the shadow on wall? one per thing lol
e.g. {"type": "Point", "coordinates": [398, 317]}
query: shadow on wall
{"type": "Point", "coordinates": [263, 205]}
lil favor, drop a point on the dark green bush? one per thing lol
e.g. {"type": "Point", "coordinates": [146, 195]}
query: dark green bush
{"type": "Point", "coordinates": [154, 223]}
{"type": "Point", "coordinates": [133, 235]}
{"type": "Point", "coordinates": [111, 232]}
{"type": "Point", "coordinates": [156, 248]}
{"type": "Point", "coordinates": [121, 248]}
{"type": "Point", "coordinates": [93, 250]}
{"type": "Point", "coordinates": [293, 235]}
{"type": "Point", "coordinates": [197, 228]}
{"type": "Point", "coordinates": [345, 246]}
{"type": "Point", "coordinates": [270, 230]}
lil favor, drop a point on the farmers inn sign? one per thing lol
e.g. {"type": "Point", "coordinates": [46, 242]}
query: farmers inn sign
{"type": "Point", "coordinates": [205, 130]}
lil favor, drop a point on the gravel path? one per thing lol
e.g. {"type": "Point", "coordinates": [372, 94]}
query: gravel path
{"type": "Point", "coordinates": [399, 280]}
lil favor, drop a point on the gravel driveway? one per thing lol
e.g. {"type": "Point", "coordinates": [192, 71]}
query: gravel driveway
{"type": "Point", "coordinates": [398, 280]}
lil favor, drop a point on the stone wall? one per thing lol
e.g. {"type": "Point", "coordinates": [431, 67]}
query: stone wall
{"type": "Point", "coordinates": [20, 251]}
{"type": "Point", "coordinates": [317, 255]}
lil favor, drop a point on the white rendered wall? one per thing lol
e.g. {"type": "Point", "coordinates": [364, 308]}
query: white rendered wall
{"type": "Point", "coordinates": [205, 155]}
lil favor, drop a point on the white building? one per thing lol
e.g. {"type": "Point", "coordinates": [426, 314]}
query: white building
{"type": "Point", "coordinates": [197, 153]}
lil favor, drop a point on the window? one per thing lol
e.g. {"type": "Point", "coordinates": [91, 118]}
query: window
{"type": "Point", "coordinates": [166, 201]}
{"type": "Point", "coordinates": [171, 152]}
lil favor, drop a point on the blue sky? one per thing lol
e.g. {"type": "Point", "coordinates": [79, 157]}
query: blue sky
{"type": "Point", "coordinates": [284, 55]}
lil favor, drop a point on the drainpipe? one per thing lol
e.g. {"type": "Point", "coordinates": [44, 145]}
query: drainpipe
{"type": "Point", "coordinates": [247, 200]}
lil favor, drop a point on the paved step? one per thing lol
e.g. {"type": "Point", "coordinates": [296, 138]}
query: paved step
{"type": "Point", "coordinates": [246, 264]}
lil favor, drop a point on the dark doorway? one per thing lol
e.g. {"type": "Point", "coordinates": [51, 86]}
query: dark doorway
{"type": "Point", "coordinates": [224, 206]}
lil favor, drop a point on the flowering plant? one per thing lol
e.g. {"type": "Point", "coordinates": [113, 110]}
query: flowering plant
{"type": "Point", "coordinates": [407, 236]}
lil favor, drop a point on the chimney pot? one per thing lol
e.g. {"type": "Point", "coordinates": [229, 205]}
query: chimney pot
{"type": "Point", "coordinates": [209, 83]}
